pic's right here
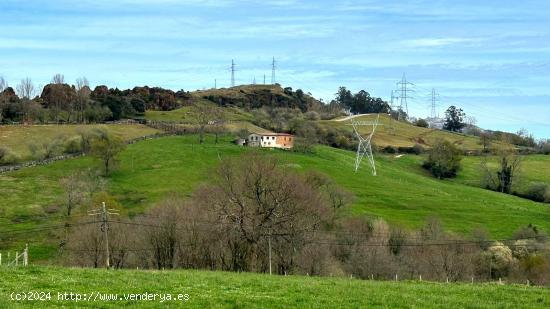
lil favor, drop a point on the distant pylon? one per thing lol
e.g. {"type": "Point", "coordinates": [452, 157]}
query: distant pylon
{"type": "Point", "coordinates": [404, 94]}
{"type": "Point", "coordinates": [264, 79]}
{"type": "Point", "coordinates": [215, 84]}
{"type": "Point", "coordinates": [273, 72]}
{"type": "Point", "coordinates": [435, 98]}
{"type": "Point", "coordinates": [254, 81]}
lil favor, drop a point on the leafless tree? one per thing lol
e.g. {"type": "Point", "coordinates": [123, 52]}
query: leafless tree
{"type": "Point", "coordinates": [83, 92]}
{"type": "Point", "coordinates": [58, 79]}
{"type": "Point", "coordinates": [207, 115]}
{"type": "Point", "coordinates": [254, 203]}
{"type": "Point", "coordinates": [3, 83]}
{"type": "Point", "coordinates": [74, 191]}
{"type": "Point", "coordinates": [26, 89]}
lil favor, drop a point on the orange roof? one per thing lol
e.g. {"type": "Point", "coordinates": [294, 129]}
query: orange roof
{"type": "Point", "coordinates": [273, 134]}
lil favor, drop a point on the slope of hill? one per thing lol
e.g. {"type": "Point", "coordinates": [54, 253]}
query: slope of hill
{"type": "Point", "coordinates": [256, 96]}
{"type": "Point", "coordinates": [18, 138]}
{"type": "Point", "coordinates": [247, 290]}
{"type": "Point", "coordinates": [403, 193]}
{"type": "Point", "coordinates": [402, 134]}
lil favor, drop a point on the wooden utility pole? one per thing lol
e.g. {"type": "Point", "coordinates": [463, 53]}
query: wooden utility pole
{"type": "Point", "coordinates": [269, 245]}
{"type": "Point", "coordinates": [104, 213]}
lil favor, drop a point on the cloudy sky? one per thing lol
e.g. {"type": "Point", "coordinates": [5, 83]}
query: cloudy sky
{"type": "Point", "coordinates": [492, 58]}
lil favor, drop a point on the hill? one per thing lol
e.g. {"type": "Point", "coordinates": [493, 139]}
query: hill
{"type": "Point", "coordinates": [256, 96]}
{"type": "Point", "coordinates": [402, 193]}
{"type": "Point", "coordinates": [19, 138]}
{"type": "Point", "coordinates": [221, 289]}
{"type": "Point", "coordinates": [402, 134]}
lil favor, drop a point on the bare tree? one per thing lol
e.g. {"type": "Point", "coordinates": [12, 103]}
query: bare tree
{"type": "Point", "coordinates": [83, 96]}
{"type": "Point", "coordinates": [73, 187]}
{"type": "Point", "coordinates": [58, 79]}
{"type": "Point", "coordinates": [255, 203]}
{"type": "Point", "coordinates": [3, 84]}
{"type": "Point", "coordinates": [26, 89]}
{"type": "Point", "coordinates": [206, 116]}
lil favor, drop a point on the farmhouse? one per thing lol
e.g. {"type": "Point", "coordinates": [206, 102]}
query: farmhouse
{"type": "Point", "coordinates": [271, 140]}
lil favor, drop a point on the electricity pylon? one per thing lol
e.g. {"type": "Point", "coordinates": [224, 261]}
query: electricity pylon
{"type": "Point", "coordinates": [365, 147]}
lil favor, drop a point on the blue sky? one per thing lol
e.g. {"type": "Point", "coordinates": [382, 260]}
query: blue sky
{"type": "Point", "coordinates": [492, 58]}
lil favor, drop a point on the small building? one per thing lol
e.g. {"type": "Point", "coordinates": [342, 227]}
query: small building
{"type": "Point", "coordinates": [271, 140]}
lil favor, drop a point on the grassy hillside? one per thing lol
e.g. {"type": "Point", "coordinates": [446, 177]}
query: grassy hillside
{"type": "Point", "coordinates": [402, 134]}
{"type": "Point", "coordinates": [402, 193]}
{"type": "Point", "coordinates": [246, 290]}
{"type": "Point", "coordinates": [18, 138]}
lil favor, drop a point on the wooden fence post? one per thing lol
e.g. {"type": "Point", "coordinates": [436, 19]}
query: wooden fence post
{"type": "Point", "coordinates": [26, 255]}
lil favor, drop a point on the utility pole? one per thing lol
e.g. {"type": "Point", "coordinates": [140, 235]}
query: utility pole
{"type": "Point", "coordinates": [215, 83]}
{"type": "Point", "coordinates": [104, 227]}
{"type": "Point", "coordinates": [232, 73]}
{"type": "Point", "coordinates": [254, 81]}
{"type": "Point", "coordinates": [273, 71]}
{"type": "Point", "coordinates": [264, 79]}
{"type": "Point", "coordinates": [269, 244]}
{"type": "Point", "coordinates": [404, 94]}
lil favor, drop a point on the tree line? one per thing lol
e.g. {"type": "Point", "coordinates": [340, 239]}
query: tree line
{"type": "Point", "coordinates": [257, 215]}
{"type": "Point", "coordinates": [60, 101]}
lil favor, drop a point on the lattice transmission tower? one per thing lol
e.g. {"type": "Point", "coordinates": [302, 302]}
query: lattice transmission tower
{"type": "Point", "coordinates": [404, 91]}
{"type": "Point", "coordinates": [364, 148]}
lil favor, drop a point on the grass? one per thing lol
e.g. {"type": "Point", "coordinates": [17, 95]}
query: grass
{"type": "Point", "coordinates": [18, 138]}
{"type": "Point", "coordinates": [401, 134]}
{"type": "Point", "coordinates": [245, 290]}
{"type": "Point", "coordinates": [534, 168]}
{"type": "Point", "coordinates": [402, 193]}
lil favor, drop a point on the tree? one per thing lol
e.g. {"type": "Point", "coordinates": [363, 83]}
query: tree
{"type": "Point", "coordinates": [443, 159]}
{"type": "Point", "coordinates": [74, 191]}
{"type": "Point", "coordinates": [254, 202]}
{"type": "Point", "coordinates": [106, 147]}
{"type": "Point", "coordinates": [505, 176]}
{"type": "Point", "coordinates": [454, 119]}
{"type": "Point", "coordinates": [83, 92]}
{"type": "Point", "coordinates": [207, 114]}
{"type": "Point", "coordinates": [58, 79]}
{"type": "Point", "coordinates": [485, 141]}
{"type": "Point", "coordinates": [344, 98]}
{"type": "Point", "coordinates": [421, 123]}
{"type": "Point", "coordinates": [26, 89]}
{"type": "Point", "coordinates": [26, 92]}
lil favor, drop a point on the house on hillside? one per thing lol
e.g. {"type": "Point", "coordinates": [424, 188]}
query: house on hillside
{"type": "Point", "coordinates": [271, 140]}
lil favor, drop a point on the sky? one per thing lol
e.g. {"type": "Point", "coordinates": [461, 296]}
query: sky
{"type": "Point", "coordinates": [491, 58]}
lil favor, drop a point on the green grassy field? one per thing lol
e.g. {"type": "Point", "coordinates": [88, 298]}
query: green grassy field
{"type": "Point", "coordinates": [402, 193]}
{"type": "Point", "coordinates": [245, 290]}
{"type": "Point", "coordinates": [18, 138]}
{"type": "Point", "coordinates": [534, 168]}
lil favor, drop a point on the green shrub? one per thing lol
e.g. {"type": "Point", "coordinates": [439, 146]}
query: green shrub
{"type": "Point", "coordinates": [7, 156]}
{"type": "Point", "coordinates": [421, 123]}
{"type": "Point", "coordinates": [73, 145]}
{"type": "Point", "coordinates": [443, 159]}
{"type": "Point", "coordinates": [538, 191]}
{"type": "Point", "coordinates": [389, 149]}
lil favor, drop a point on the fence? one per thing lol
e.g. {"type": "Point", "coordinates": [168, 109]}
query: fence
{"type": "Point", "coordinates": [23, 256]}
{"type": "Point", "coordinates": [15, 167]}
